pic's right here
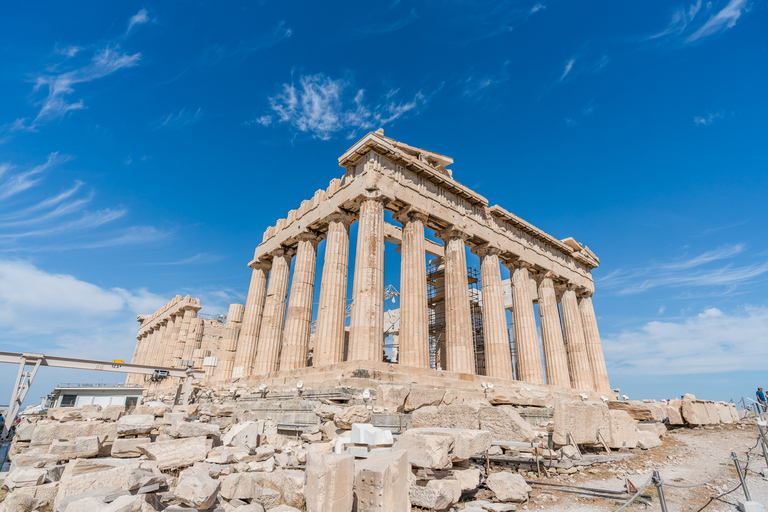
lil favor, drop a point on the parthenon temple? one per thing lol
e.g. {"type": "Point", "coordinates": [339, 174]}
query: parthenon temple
{"type": "Point", "coordinates": [452, 322]}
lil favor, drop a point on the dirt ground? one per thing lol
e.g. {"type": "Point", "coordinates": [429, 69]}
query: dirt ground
{"type": "Point", "coordinates": [688, 456]}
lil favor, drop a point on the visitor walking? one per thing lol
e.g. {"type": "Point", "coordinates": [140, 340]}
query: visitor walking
{"type": "Point", "coordinates": [761, 399]}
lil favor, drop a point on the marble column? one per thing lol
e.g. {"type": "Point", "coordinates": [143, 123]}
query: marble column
{"type": "Point", "coordinates": [145, 347]}
{"type": "Point", "coordinates": [414, 313]}
{"type": "Point", "coordinates": [594, 345]}
{"type": "Point", "coordinates": [332, 309]}
{"type": "Point", "coordinates": [131, 378]}
{"type": "Point", "coordinates": [555, 356]}
{"type": "Point", "coordinates": [171, 337]}
{"type": "Point", "coordinates": [229, 342]}
{"type": "Point", "coordinates": [252, 319]}
{"type": "Point", "coordinates": [155, 357]}
{"type": "Point", "coordinates": [459, 343]}
{"type": "Point", "coordinates": [271, 332]}
{"type": "Point", "coordinates": [366, 327]}
{"type": "Point", "coordinates": [298, 318]}
{"type": "Point", "coordinates": [575, 345]}
{"type": "Point", "coordinates": [524, 333]}
{"type": "Point", "coordinates": [191, 342]}
{"type": "Point", "coordinates": [498, 356]}
{"type": "Point", "coordinates": [183, 335]}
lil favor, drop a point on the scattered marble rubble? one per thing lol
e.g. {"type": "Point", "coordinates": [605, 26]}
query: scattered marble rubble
{"type": "Point", "coordinates": [219, 457]}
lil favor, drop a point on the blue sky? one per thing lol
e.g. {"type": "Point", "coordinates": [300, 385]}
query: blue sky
{"type": "Point", "coordinates": [145, 147]}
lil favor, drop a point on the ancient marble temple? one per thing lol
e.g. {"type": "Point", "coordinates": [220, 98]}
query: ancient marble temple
{"type": "Point", "coordinates": [274, 330]}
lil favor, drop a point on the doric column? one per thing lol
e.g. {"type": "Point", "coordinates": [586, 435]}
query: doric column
{"type": "Point", "coordinates": [146, 346]}
{"type": "Point", "coordinates": [252, 319]}
{"type": "Point", "coordinates": [498, 357]}
{"type": "Point", "coordinates": [298, 320]}
{"type": "Point", "coordinates": [594, 345]}
{"type": "Point", "coordinates": [191, 341]}
{"type": "Point", "coordinates": [197, 333]}
{"type": "Point", "coordinates": [271, 332]}
{"type": "Point", "coordinates": [171, 337]}
{"type": "Point", "coordinates": [575, 345]}
{"type": "Point", "coordinates": [555, 357]}
{"type": "Point", "coordinates": [131, 378]}
{"type": "Point", "coordinates": [155, 356]}
{"type": "Point", "coordinates": [366, 327]}
{"type": "Point", "coordinates": [524, 334]}
{"type": "Point", "coordinates": [414, 314]}
{"type": "Point", "coordinates": [181, 343]}
{"type": "Point", "coordinates": [459, 344]}
{"type": "Point", "coordinates": [229, 342]}
{"type": "Point", "coordinates": [332, 310]}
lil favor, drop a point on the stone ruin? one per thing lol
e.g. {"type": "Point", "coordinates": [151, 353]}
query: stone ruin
{"type": "Point", "coordinates": [294, 418]}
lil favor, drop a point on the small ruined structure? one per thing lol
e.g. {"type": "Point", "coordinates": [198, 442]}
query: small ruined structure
{"type": "Point", "coordinates": [270, 339]}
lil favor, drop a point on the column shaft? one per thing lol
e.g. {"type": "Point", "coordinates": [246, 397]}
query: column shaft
{"type": "Point", "coordinates": [525, 336]}
{"type": "Point", "coordinates": [332, 309]}
{"type": "Point", "coordinates": [252, 319]}
{"type": "Point", "coordinates": [498, 357]}
{"type": "Point", "coordinates": [298, 321]}
{"type": "Point", "coordinates": [271, 332]}
{"type": "Point", "coordinates": [183, 335]}
{"type": "Point", "coordinates": [459, 343]}
{"type": "Point", "coordinates": [414, 313]}
{"type": "Point", "coordinates": [229, 342]}
{"type": "Point", "coordinates": [594, 345]}
{"type": "Point", "coordinates": [366, 327]}
{"type": "Point", "coordinates": [171, 338]}
{"type": "Point", "coordinates": [575, 345]}
{"type": "Point", "coordinates": [190, 337]}
{"type": "Point", "coordinates": [555, 356]}
{"type": "Point", "coordinates": [155, 357]}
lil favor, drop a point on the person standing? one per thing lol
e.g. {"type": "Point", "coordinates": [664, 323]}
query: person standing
{"type": "Point", "coordinates": [761, 399]}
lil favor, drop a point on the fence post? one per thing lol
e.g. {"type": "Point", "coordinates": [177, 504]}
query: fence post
{"type": "Point", "coordinates": [656, 479]}
{"type": "Point", "coordinates": [741, 476]}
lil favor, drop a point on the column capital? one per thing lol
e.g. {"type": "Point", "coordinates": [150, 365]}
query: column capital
{"type": "Point", "coordinates": [583, 292]}
{"type": "Point", "coordinates": [282, 251]}
{"type": "Point", "coordinates": [343, 216]}
{"type": "Point", "coordinates": [308, 236]}
{"type": "Point", "coordinates": [371, 195]}
{"type": "Point", "coordinates": [450, 233]}
{"type": "Point", "coordinates": [515, 262]}
{"type": "Point", "coordinates": [410, 212]}
{"type": "Point", "coordinates": [261, 265]}
{"type": "Point", "coordinates": [486, 249]}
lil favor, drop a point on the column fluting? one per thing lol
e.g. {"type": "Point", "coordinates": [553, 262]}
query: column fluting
{"type": "Point", "coordinates": [414, 313]}
{"type": "Point", "coordinates": [229, 342]}
{"type": "Point", "coordinates": [181, 342]}
{"type": "Point", "coordinates": [252, 320]}
{"type": "Point", "coordinates": [594, 344]}
{"type": "Point", "coordinates": [555, 356]}
{"type": "Point", "coordinates": [271, 332]}
{"type": "Point", "coordinates": [298, 320]}
{"type": "Point", "coordinates": [575, 345]}
{"type": "Point", "coordinates": [524, 333]}
{"type": "Point", "coordinates": [498, 356]}
{"type": "Point", "coordinates": [332, 309]}
{"type": "Point", "coordinates": [459, 343]}
{"type": "Point", "coordinates": [366, 327]}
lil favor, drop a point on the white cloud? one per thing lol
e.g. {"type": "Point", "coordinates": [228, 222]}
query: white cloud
{"type": "Point", "coordinates": [178, 119]}
{"type": "Point", "coordinates": [323, 106]}
{"type": "Point", "coordinates": [710, 341]}
{"type": "Point", "coordinates": [680, 19]}
{"type": "Point", "coordinates": [567, 69]}
{"type": "Point", "coordinates": [137, 19]}
{"type": "Point", "coordinates": [707, 120]}
{"type": "Point", "coordinates": [721, 253]}
{"type": "Point", "coordinates": [723, 20]}
{"type": "Point", "coordinates": [538, 7]}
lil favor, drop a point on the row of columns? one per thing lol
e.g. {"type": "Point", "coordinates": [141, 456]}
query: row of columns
{"type": "Point", "coordinates": [270, 340]}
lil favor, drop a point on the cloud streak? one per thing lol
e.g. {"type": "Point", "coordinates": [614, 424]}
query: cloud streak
{"type": "Point", "coordinates": [685, 26]}
{"type": "Point", "coordinates": [180, 119]}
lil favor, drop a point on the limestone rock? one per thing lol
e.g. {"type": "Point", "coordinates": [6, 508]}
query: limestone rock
{"type": "Point", "coordinates": [64, 449]}
{"type": "Point", "coordinates": [505, 424]}
{"type": "Point", "coordinates": [270, 498]}
{"type": "Point", "coordinates": [695, 412]}
{"type": "Point", "coordinates": [623, 430]}
{"type": "Point", "coordinates": [426, 450]}
{"type": "Point", "coordinates": [381, 483]}
{"type": "Point", "coordinates": [241, 486]}
{"type": "Point", "coordinates": [508, 486]}
{"type": "Point", "coordinates": [128, 448]}
{"type": "Point", "coordinates": [327, 411]}
{"type": "Point", "coordinates": [284, 508]}
{"type": "Point", "coordinates": [435, 493]}
{"type": "Point", "coordinates": [466, 443]}
{"type": "Point", "coordinates": [469, 478]}
{"type": "Point", "coordinates": [25, 477]}
{"type": "Point", "coordinates": [126, 477]}
{"type": "Point", "coordinates": [244, 434]}
{"type": "Point", "coordinates": [34, 459]}
{"type": "Point", "coordinates": [25, 431]}
{"type": "Point", "coordinates": [392, 398]}
{"type": "Point", "coordinates": [641, 411]}
{"type": "Point", "coordinates": [135, 424]}
{"type": "Point", "coordinates": [355, 414]}
{"type": "Point", "coordinates": [288, 482]}
{"type": "Point", "coordinates": [712, 413]}
{"type": "Point", "coordinates": [581, 419]}
{"type": "Point", "coordinates": [675, 413]}
{"type": "Point", "coordinates": [423, 397]}
{"type": "Point", "coordinates": [43, 493]}
{"type": "Point", "coordinates": [647, 439]}
{"type": "Point", "coordinates": [16, 502]}
{"type": "Point", "coordinates": [87, 446]}
{"type": "Point", "coordinates": [184, 429]}
{"type": "Point", "coordinates": [365, 433]}
{"type": "Point", "coordinates": [177, 453]}
{"type": "Point", "coordinates": [198, 490]}
{"type": "Point", "coordinates": [155, 409]}
{"type": "Point", "coordinates": [330, 479]}
{"type": "Point", "coordinates": [723, 412]}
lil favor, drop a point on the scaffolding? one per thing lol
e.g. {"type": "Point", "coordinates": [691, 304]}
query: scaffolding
{"type": "Point", "coordinates": [436, 303]}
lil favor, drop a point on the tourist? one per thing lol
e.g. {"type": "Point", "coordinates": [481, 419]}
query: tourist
{"type": "Point", "coordinates": [761, 399]}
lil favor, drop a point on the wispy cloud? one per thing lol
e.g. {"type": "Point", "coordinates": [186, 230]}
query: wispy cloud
{"type": "Point", "coordinates": [385, 28]}
{"type": "Point", "coordinates": [199, 258]}
{"type": "Point", "coordinates": [476, 87]}
{"type": "Point", "coordinates": [709, 341]}
{"type": "Point", "coordinates": [323, 106]}
{"type": "Point", "coordinates": [21, 181]}
{"type": "Point", "coordinates": [537, 8]}
{"type": "Point", "coordinates": [685, 25]}
{"type": "Point", "coordinates": [219, 52]}
{"type": "Point", "coordinates": [688, 273]}
{"type": "Point", "coordinates": [707, 120]}
{"type": "Point", "coordinates": [137, 19]}
{"type": "Point", "coordinates": [568, 67]}
{"type": "Point", "coordinates": [175, 120]}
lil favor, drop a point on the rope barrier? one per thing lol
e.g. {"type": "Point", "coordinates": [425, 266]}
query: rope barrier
{"type": "Point", "coordinates": [633, 498]}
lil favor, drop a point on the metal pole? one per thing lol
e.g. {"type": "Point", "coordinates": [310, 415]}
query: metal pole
{"type": "Point", "coordinates": [741, 476]}
{"type": "Point", "coordinates": [14, 397]}
{"type": "Point", "coordinates": [656, 479]}
{"type": "Point", "coordinates": [762, 443]}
